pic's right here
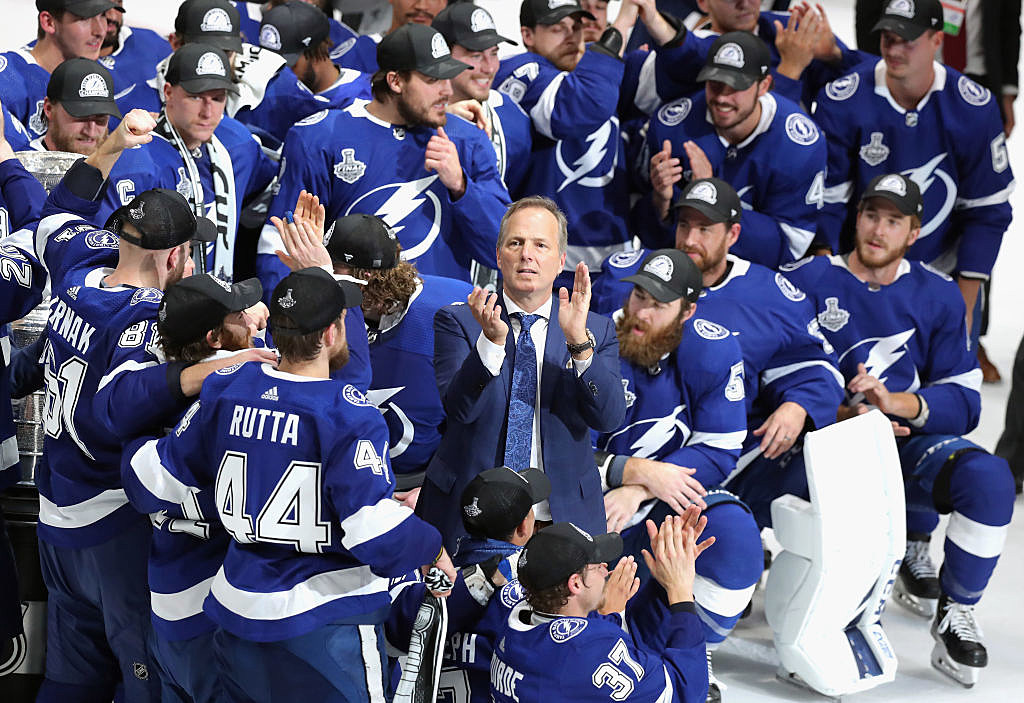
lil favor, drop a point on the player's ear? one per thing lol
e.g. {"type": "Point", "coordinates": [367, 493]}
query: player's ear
{"type": "Point", "coordinates": [213, 338]}
{"type": "Point", "coordinates": [527, 33]}
{"type": "Point", "coordinates": [734, 233]}
{"type": "Point", "coordinates": [48, 109]}
{"type": "Point", "coordinates": [394, 81]}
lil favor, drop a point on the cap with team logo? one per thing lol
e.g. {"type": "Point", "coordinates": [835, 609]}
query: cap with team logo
{"type": "Point", "coordinates": [469, 26]}
{"type": "Point", "coordinates": [199, 67]}
{"type": "Point", "coordinates": [311, 299]}
{"type": "Point", "coordinates": [198, 304]}
{"type": "Point", "coordinates": [738, 59]}
{"type": "Point", "coordinates": [362, 241]}
{"type": "Point", "coordinates": [534, 12]}
{"type": "Point", "coordinates": [82, 8]}
{"type": "Point", "coordinates": [713, 198]}
{"type": "Point", "coordinates": [83, 87]}
{"type": "Point", "coordinates": [213, 22]}
{"type": "Point", "coordinates": [292, 28]}
{"type": "Point", "coordinates": [497, 500]}
{"type": "Point", "coordinates": [910, 18]}
{"type": "Point", "coordinates": [163, 220]}
{"type": "Point", "coordinates": [897, 189]}
{"type": "Point", "coordinates": [417, 47]}
{"type": "Point", "coordinates": [668, 274]}
{"type": "Point", "coordinates": [556, 552]}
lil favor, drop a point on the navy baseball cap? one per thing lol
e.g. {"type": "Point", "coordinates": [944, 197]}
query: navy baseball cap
{"type": "Point", "coordinates": [197, 304]}
{"type": "Point", "coordinates": [82, 8]}
{"type": "Point", "coordinates": [713, 198]}
{"type": "Point", "coordinates": [311, 299]}
{"type": "Point", "coordinates": [534, 12]}
{"type": "Point", "coordinates": [163, 219]}
{"type": "Point", "coordinates": [497, 500]}
{"type": "Point", "coordinates": [738, 59]}
{"type": "Point", "coordinates": [668, 274]}
{"type": "Point", "coordinates": [213, 22]}
{"type": "Point", "coordinates": [417, 47]}
{"type": "Point", "coordinates": [909, 19]}
{"type": "Point", "coordinates": [901, 191]}
{"type": "Point", "coordinates": [198, 67]}
{"type": "Point", "coordinates": [556, 552]}
{"type": "Point", "coordinates": [469, 26]}
{"type": "Point", "coordinates": [83, 87]}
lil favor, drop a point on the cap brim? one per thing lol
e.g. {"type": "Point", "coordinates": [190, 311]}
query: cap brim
{"type": "Point", "coordinates": [206, 231]}
{"type": "Point", "coordinates": [703, 208]}
{"type": "Point", "coordinates": [906, 30]}
{"type": "Point", "coordinates": [559, 14]}
{"type": "Point", "coordinates": [195, 86]}
{"type": "Point", "coordinates": [607, 547]}
{"type": "Point", "coordinates": [540, 484]}
{"type": "Point", "coordinates": [352, 292]}
{"type": "Point", "coordinates": [224, 42]}
{"type": "Point", "coordinates": [484, 40]}
{"type": "Point", "coordinates": [899, 202]}
{"type": "Point", "coordinates": [245, 294]}
{"type": "Point", "coordinates": [87, 108]}
{"type": "Point", "coordinates": [91, 8]}
{"type": "Point", "coordinates": [661, 292]}
{"type": "Point", "coordinates": [733, 78]}
{"type": "Point", "coordinates": [444, 69]}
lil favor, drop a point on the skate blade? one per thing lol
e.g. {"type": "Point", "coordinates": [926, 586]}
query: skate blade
{"type": "Point", "coordinates": [964, 675]}
{"type": "Point", "coordinates": [923, 607]}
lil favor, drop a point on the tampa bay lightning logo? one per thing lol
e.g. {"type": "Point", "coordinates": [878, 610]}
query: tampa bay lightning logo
{"type": "Point", "coordinates": [675, 112]}
{"type": "Point", "coordinates": [592, 164]}
{"type": "Point", "coordinates": [938, 190]}
{"type": "Point", "coordinates": [843, 88]}
{"type": "Point", "coordinates": [626, 259]}
{"type": "Point", "coordinates": [801, 129]}
{"type": "Point", "coordinates": [511, 593]}
{"type": "Point", "coordinates": [355, 397]}
{"type": "Point", "coordinates": [564, 629]}
{"type": "Point", "coordinates": [412, 210]}
{"type": "Point", "coordinates": [101, 239]}
{"type": "Point", "coordinates": [401, 431]}
{"type": "Point", "coordinates": [147, 295]}
{"type": "Point", "coordinates": [886, 358]}
{"type": "Point", "coordinates": [652, 434]}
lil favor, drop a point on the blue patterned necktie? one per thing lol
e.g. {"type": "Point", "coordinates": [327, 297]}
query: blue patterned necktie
{"type": "Point", "coordinates": [519, 435]}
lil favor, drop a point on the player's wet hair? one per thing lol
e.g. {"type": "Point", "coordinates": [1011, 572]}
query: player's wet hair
{"type": "Point", "coordinates": [542, 203]}
{"type": "Point", "coordinates": [549, 600]}
{"type": "Point", "coordinates": [297, 347]}
{"type": "Point", "coordinates": [387, 290]}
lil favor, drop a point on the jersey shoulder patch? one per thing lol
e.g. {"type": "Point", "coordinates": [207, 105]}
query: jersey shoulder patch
{"type": "Point", "coordinates": [626, 259]}
{"type": "Point", "coordinates": [511, 593]}
{"type": "Point", "coordinates": [564, 629]}
{"type": "Point", "coordinates": [801, 129]}
{"type": "Point", "coordinates": [101, 239]}
{"type": "Point", "coordinates": [794, 265]}
{"type": "Point", "coordinates": [972, 93]}
{"type": "Point", "coordinates": [788, 289]}
{"type": "Point", "coordinates": [315, 118]}
{"type": "Point", "coordinates": [228, 370]}
{"type": "Point", "coordinates": [355, 397]}
{"type": "Point", "coordinates": [675, 112]}
{"type": "Point", "coordinates": [147, 295]}
{"type": "Point", "coordinates": [842, 88]}
{"type": "Point", "coordinates": [708, 329]}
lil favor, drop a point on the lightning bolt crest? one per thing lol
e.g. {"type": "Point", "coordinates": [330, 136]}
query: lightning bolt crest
{"type": "Point", "coordinates": [592, 157]}
{"type": "Point", "coordinates": [406, 198]}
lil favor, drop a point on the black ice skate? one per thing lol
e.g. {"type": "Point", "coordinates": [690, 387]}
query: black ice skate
{"type": "Point", "coordinates": [715, 687]}
{"type": "Point", "coordinates": [959, 652]}
{"type": "Point", "coordinates": [917, 585]}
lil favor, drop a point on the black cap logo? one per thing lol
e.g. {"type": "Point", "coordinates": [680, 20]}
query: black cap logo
{"type": "Point", "coordinates": [730, 54]}
{"type": "Point", "coordinates": [137, 212]}
{"type": "Point", "coordinates": [901, 8]}
{"type": "Point", "coordinates": [93, 86]}
{"type": "Point", "coordinates": [473, 509]}
{"type": "Point", "coordinates": [660, 266]}
{"type": "Point", "coordinates": [893, 184]}
{"type": "Point", "coordinates": [216, 20]}
{"type": "Point", "coordinates": [210, 64]}
{"type": "Point", "coordinates": [480, 21]}
{"type": "Point", "coordinates": [439, 47]}
{"type": "Point", "coordinates": [287, 301]}
{"type": "Point", "coordinates": [704, 191]}
{"type": "Point", "coordinates": [270, 38]}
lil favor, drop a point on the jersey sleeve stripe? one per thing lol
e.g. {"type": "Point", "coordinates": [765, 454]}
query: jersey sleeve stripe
{"type": "Point", "coordinates": [183, 604]}
{"type": "Point", "coordinates": [970, 380]}
{"type": "Point", "coordinates": [719, 440]}
{"type": "Point", "coordinates": [769, 376]}
{"type": "Point", "coordinates": [799, 239]}
{"type": "Point", "coordinates": [647, 99]}
{"type": "Point", "coordinates": [81, 514]}
{"type": "Point", "coordinates": [840, 193]}
{"type": "Point", "coordinates": [155, 477]}
{"type": "Point", "coordinates": [542, 111]}
{"type": "Point", "coordinates": [372, 521]}
{"type": "Point", "coordinates": [668, 692]}
{"type": "Point", "coordinates": [997, 198]}
{"type": "Point", "coordinates": [49, 226]}
{"type": "Point", "coordinates": [130, 365]}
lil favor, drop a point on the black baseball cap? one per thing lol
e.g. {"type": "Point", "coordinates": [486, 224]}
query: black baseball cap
{"type": "Point", "coordinates": [292, 28]}
{"type": "Point", "coordinates": [83, 87]}
{"type": "Point", "coordinates": [738, 59]}
{"type": "Point", "coordinates": [82, 8]}
{"type": "Point", "coordinates": [910, 18]}
{"type": "Point", "coordinates": [901, 191]}
{"type": "Point", "coordinates": [469, 26]}
{"type": "Point", "coordinates": [713, 198]}
{"type": "Point", "coordinates": [534, 12]}
{"type": "Point", "coordinates": [556, 552]}
{"type": "Point", "coordinates": [197, 304]}
{"type": "Point", "coordinates": [198, 67]}
{"type": "Point", "coordinates": [163, 219]}
{"type": "Point", "coordinates": [668, 274]}
{"type": "Point", "coordinates": [497, 500]}
{"type": "Point", "coordinates": [312, 299]}
{"type": "Point", "coordinates": [417, 47]}
{"type": "Point", "coordinates": [362, 241]}
{"type": "Point", "coordinates": [213, 22]}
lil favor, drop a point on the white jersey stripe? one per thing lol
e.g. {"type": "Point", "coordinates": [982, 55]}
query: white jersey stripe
{"type": "Point", "coordinates": [81, 514]}
{"type": "Point", "coordinates": [372, 521]}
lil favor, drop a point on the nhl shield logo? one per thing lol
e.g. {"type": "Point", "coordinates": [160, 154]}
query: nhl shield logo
{"type": "Point", "coordinates": [439, 47]}
{"type": "Point", "coordinates": [270, 38]}
{"type": "Point", "coordinates": [660, 266]}
{"type": "Point", "coordinates": [216, 20]}
{"type": "Point", "coordinates": [730, 54]}
{"type": "Point", "coordinates": [874, 152]}
{"type": "Point", "coordinates": [893, 184]}
{"type": "Point", "coordinates": [210, 64]}
{"type": "Point", "coordinates": [349, 169]}
{"type": "Point", "coordinates": [93, 86]}
{"type": "Point", "coordinates": [480, 21]}
{"type": "Point", "coordinates": [705, 191]}
{"type": "Point", "coordinates": [140, 671]}
{"type": "Point", "coordinates": [833, 318]}
{"type": "Point", "coordinates": [901, 8]}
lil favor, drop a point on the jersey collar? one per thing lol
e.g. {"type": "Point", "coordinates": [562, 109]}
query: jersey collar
{"type": "Point", "coordinates": [739, 268]}
{"type": "Point", "coordinates": [841, 261]}
{"type": "Point", "coordinates": [882, 88]}
{"type": "Point", "coordinates": [392, 320]}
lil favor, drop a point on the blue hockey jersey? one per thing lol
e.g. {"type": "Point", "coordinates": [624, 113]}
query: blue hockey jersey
{"type": "Point", "coordinates": [357, 163]}
{"type": "Point", "coordinates": [951, 145]}
{"type": "Point", "coordinates": [403, 386]}
{"type": "Point", "coordinates": [103, 382]}
{"type": "Point", "coordinates": [512, 140]}
{"type": "Point", "coordinates": [778, 172]}
{"type": "Point", "coordinates": [578, 156]}
{"type": "Point", "coordinates": [687, 411]}
{"type": "Point", "coordinates": [785, 356]}
{"type": "Point", "coordinates": [21, 197]}
{"type": "Point", "coordinates": [303, 485]}
{"type": "Point", "coordinates": [138, 52]}
{"type": "Point", "coordinates": [23, 89]}
{"type": "Point", "coordinates": [910, 334]}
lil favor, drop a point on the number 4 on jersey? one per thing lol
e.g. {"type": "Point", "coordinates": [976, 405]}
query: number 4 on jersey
{"type": "Point", "coordinates": [368, 458]}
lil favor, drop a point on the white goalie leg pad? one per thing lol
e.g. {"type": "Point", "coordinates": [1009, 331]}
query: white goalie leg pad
{"type": "Point", "coordinates": [841, 553]}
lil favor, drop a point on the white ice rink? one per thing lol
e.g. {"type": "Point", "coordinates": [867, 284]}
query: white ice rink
{"type": "Point", "coordinates": [747, 663]}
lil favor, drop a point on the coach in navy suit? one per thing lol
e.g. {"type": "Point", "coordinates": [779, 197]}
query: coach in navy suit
{"type": "Point", "coordinates": [525, 400]}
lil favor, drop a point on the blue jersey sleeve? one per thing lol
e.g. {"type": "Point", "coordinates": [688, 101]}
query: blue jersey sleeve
{"type": "Point", "coordinates": [21, 193]}
{"type": "Point", "coordinates": [68, 210]}
{"type": "Point", "coordinates": [477, 214]}
{"type": "Point", "coordinates": [832, 117]}
{"type": "Point", "coordinates": [358, 371]}
{"type": "Point", "coordinates": [286, 101]}
{"type": "Point", "coordinates": [22, 278]}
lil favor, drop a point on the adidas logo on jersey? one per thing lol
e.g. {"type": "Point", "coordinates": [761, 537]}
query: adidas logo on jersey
{"type": "Point", "coordinates": [271, 395]}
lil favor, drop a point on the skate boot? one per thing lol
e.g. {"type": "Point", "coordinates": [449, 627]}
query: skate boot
{"type": "Point", "coordinates": [958, 651]}
{"type": "Point", "coordinates": [715, 687]}
{"type": "Point", "coordinates": [917, 585]}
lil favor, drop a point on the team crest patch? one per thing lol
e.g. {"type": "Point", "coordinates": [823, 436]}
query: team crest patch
{"type": "Point", "coordinates": [480, 20]}
{"type": "Point", "coordinates": [270, 38]}
{"type": "Point", "coordinates": [709, 330]}
{"type": "Point", "coordinates": [801, 129]}
{"type": "Point", "coordinates": [675, 112]}
{"type": "Point", "coordinates": [730, 54]}
{"type": "Point", "coordinates": [228, 370]}
{"type": "Point", "coordinates": [216, 20]}
{"type": "Point", "coordinates": [842, 88]}
{"type": "Point", "coordinates": [972, 92]}
{"type": "Point", "coordinates": [660, 266]}
{"type": "Point", "coordinates": [625, 259]}
{"type": "Point", "coordinates": [147, 295]}
{"type": "Point", "coordinates": [564, 629]}
{"type": "Point", "coordinates": [312, 119]}
{"type": "Point", "coordinates": [439, 47]}
{"type": "Point", "coordinates": [901, 8]}
{"type": "Point", "coordinates": [101, 239]}
{"type": "Point", "coordinates": [874, 152]}
{"type": "Point", "coordinates": [210, 64]}
{"type": "Point", "coordinates": [107, 62]}
{"type": "Point", "coordinates": [511, 593]}
{"type": "Point", "coordinates": [343, 48]}
{"type": "Point", "coordinates": [355, 397]}
{"type": "Point", "coordinates": [705, 191]}
{"type": "Point", "coordinates": [788, 289]}
{"type": "Point", "coordinates": [893, 184]}
{"type": "Point", "coordinates": [93, 86]}
{"type": "Point", "coordinates": [349, 169]}
{"type": "Point", "coordinates": [833, 318]}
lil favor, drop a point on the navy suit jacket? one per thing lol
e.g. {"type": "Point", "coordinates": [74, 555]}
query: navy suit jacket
{"type": "Point", "coordinates": [476, 404]}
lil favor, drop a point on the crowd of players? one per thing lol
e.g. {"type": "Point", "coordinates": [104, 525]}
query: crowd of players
{"type": "Point", "coordinates": [338, 320]}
